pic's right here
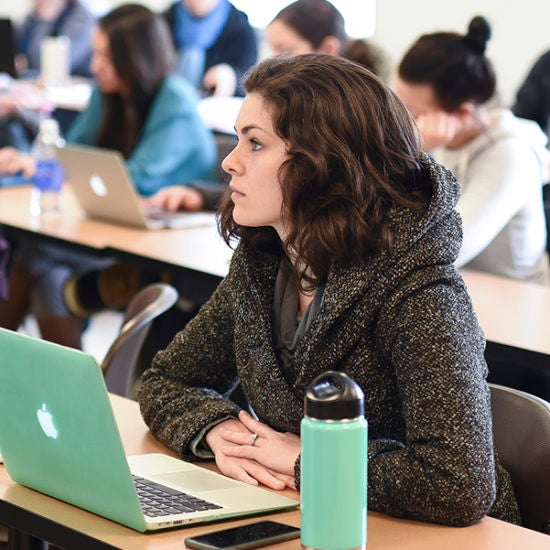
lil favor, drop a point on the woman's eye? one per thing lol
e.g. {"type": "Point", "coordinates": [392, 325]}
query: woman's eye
{"type": "Point", "coordinates": [256, 145]}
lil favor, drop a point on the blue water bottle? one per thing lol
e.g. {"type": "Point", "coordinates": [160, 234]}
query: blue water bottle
{"type": "Point", "coordinates": [333, 487]}
{"type": "Point", "coordinates": [49, 174]}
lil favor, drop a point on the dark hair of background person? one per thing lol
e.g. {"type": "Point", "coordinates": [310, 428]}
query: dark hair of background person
{"type": "Point", "coordinates": [142, 53]}
{"type": "Point", "coordinates": [359, 159]}
{"type": "Point", "coordinates": [314, 20]}
{"type": "Point", "coordinates": [454, 65]}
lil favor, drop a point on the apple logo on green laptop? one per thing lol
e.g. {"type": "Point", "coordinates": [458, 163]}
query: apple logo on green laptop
{"type": "Point", "coordinates": [45, 420]}
{"type": "Point", "coordinates": [98, 185]}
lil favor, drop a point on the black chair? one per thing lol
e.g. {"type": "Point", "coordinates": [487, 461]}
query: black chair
{"type": "Point", "coordinates": [521, 428]}
{"type": "Point", "coordinates": [121, 360]}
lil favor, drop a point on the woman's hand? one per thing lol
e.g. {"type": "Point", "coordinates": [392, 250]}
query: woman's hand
{"type": "Point", "coordinates": [177, 197]}
{"type": "Point", "coordinates": [438, 129]}
{"type": "Point", "coordinates": [238, 453]}
{"type": "Point", "coordinates": [13, 161]}
{"type": "Point", "coordinates": [271, 449]}
{"type": "Point", "coordinates": [221, 79]}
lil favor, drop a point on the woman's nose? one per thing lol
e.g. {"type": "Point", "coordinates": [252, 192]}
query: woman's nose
{"type": "Point", "coordinates": [229, 163]}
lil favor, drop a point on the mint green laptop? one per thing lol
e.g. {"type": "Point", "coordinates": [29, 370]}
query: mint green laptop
{"type": "Point", "coordinates": [58, 436]}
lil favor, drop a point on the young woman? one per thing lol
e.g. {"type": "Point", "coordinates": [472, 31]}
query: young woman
{"type": "Point", "coordinates": [308, 26]}
{"type": "Point", "coordinates": [138, 109]}
{"type": "Point", "coordinates": [500, 161]}
{"type": "Point", "coordinates": [347, 241]}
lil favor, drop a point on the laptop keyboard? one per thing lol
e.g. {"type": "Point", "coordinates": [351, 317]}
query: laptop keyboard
{"type": "Point", "coordinates": [159, 500]}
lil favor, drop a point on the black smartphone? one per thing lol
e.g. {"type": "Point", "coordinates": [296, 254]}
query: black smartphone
{"type": "Point", "coordinates": [252, 535]}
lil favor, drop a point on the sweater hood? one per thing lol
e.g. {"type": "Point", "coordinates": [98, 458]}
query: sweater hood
{"type": "Point", "coordinates": [436, 230]}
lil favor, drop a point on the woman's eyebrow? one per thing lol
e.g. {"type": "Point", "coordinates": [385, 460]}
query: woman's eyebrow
{"type": "Point", "coordinates": [248, 128]}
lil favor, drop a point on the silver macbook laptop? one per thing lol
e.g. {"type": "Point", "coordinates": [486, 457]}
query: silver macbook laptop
{"type": "Point", "coordinates": [58, 436]}
{"type": "Point", "coordinates": [104, 189]}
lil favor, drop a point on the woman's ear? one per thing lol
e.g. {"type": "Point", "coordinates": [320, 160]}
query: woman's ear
{"type": "Point", "coordinates": [330, 45]}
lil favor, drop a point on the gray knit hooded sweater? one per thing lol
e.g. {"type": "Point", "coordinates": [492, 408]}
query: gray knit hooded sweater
{"type": "Point", "coordinates": [401, 324]}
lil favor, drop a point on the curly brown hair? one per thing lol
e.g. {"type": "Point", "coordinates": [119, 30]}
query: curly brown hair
{"type": "Point", "coordinates": [354, 155]}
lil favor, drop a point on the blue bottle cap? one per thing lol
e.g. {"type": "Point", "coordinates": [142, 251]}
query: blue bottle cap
{"type": "Point", "coordinates": [334, 396]}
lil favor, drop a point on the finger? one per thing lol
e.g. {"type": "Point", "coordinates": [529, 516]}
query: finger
{"type": "Point", "coordinates": [264, 476]}
{"type": "Point", "coordinates": [240, 451]}
{"type": "Point", "coordinates": [241, 474]}
{"type": "Point", "coordinates": [240, 438]}
{"type": "Point", "coordinates": [253, 425]}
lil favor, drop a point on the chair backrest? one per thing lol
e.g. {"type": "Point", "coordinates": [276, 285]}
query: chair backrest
{"type": "Point", "coordinates": [120, 362]}
{"type": "Point", "coordinates": [521, 427]}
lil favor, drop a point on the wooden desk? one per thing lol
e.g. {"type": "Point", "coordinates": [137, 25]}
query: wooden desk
{"type": "Point", "coordinates": [71, 527]}
{"type": "Point", "coordinates": [515, 317]}
{"type": "Point", "coordinates": [511, 312]}
{"type": "Point", "coordinates": [198, 249]}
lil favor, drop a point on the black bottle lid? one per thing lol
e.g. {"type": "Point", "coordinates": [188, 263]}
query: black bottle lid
{"type": "Point", "coordinates": [334, 396]}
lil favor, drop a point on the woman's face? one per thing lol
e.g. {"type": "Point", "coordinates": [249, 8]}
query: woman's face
{"type": "Point", "coordinates": [200, 8]}
{"type": "Point", "coordinates": [418, 98]}
{"type": "Point", "coordinates": [254, 168]}
{"type": "Point", "coordinates": [48, 10]}
{"type": "Point", "coordinates": [102, 65]}
{"type": "Point", "coordinates": [283, 40]}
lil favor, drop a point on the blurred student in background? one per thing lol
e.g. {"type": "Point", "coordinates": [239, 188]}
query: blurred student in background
{"type": "Point", "coordinates": [47, 18]}
{"type": "Point", "coordinates": [501, 162]}
{"type": "Point", "coordinates": [533, 96]}
{"type": "Point", "coordinates": [137, 108]}
{"type": "Point", "coordinates": [308, 26]}
{"type": "Point", "coordinates": [533, 102]}
{"type": "Point", "coordinates": [215, 44]}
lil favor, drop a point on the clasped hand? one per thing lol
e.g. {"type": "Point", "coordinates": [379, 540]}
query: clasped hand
{"type": "Point", "coordinates": [268, 459]}
{"type": "Point", "coordinates": [13, 161]}
{"type": "Point", "coordinates": [438, 129]}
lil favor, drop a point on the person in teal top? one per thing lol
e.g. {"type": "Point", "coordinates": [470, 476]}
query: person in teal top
{"type": "Point", "coordinates": [137, 108]}
{"type": "Point", "coordinates": [174, 146]}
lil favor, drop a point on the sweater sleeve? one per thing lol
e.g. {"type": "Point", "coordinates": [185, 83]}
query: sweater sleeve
{"type": "Point", "coordinates": [494, 189]}
{"type": "Point", "coordinates": [443, 469]}
{"type": "Point", "coordinates": [188, 384]}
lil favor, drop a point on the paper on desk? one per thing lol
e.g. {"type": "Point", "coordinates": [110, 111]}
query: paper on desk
{"type": "Point", "coordinates": [70, 96]}
{"type": "Point", "coordinates": [220, 113]}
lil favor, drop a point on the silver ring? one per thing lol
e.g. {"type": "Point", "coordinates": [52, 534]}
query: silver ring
{"type": "Point", "coordinates": [253, 438]}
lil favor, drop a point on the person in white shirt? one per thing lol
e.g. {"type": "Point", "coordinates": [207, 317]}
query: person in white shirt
{"type": "Point", "coordinates": [501, 161]}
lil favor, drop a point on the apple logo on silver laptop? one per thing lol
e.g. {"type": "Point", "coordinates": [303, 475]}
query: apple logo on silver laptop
{"type": "Point", "coordinates": [98, 185]}
{"type": "Point", "coordinates": [45, 420]}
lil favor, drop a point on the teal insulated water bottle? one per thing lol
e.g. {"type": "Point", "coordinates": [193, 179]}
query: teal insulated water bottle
{"type": "Point", "coordinates": [333, 486]}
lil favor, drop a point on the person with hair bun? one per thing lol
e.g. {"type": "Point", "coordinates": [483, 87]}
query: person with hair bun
{"type": "Point", "coordinates": [447, 82]}
{"type": "Point", "coordinates": [308, 26]}
{"type": "Point", "coordinates": [346, 237]}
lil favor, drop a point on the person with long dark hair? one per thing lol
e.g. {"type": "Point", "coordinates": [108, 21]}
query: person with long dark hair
{"type": "Point", "coordinates": [346, 240]}
{"type": "Point", "coordinates": [137, 108]}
